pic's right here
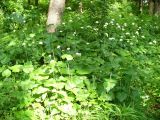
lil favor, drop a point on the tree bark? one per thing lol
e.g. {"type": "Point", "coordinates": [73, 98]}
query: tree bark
{"type": "Point", "coordinates": [36, 2]}
{"type": "Point", "coordinates": [141, 6]}
{"type": "Point", "coordinates": [56, 8]}
{"type": "Point", "coordinates": [29, 2]}
{"type": "Point", "coordinates": [151, 7]}
{"type": "Point", "coordinates": [157, 7]}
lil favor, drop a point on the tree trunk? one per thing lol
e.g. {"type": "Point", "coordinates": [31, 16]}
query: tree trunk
{"type": "Point", "coordinates": [81, 7]}
{"type": "Point", "coordinates": [151, 7]}
{"type": "Point", "coordinates": [55, 11]}
{"type": "Point", "coordinates": [29, 2]}
{"type": "Point", "coordinates": [141, 6]}
{"type": "Point", "coordinates": [157, 7]}
{"type": "Point", "coordinates": [36, 2]}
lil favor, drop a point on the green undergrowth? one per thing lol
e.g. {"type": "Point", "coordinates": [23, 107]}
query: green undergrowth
{"type": "Point", "coordinates": [95, 67]}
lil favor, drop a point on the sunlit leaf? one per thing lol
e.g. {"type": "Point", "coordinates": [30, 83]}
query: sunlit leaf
{"type": "Point", "coordinates": [16, 68]}
{"type": "Point", "coordinates": [6, 73]}
{"type": "Point", "coordinates": [44, 96]}
{"type": "Point", "coordinates": [109, 84]}
{"type": "Point", "coordinates": [67, 56]}
{"type": "Point", "coordinates": [28, 68]}
{"type": "Point", "coordinates": [40, 90]}
{"type": "Point", "coordinates": [83, 71]}
{"type": "Point", "coordinates": [68, 108]}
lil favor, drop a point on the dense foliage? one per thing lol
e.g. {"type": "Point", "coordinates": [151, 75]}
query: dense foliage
{"type": "Point", "coordinates": [101, 64]}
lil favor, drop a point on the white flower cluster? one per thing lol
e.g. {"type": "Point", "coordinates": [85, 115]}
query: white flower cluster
{"type": "Point", "coordinates": [105, 25]}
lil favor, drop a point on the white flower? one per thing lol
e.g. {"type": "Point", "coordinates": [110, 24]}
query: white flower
{"type": "Point", "coordinates": [58, 46]}
{"type": "Point", "coordinates": [97, 22]}
{"type": "Point", "coordinates": [78, 54]}
{"type": "Point", "coordinates": [70, 20]}
{"type": "Point", "coordinates": [96, 29]}
{"type": "Point", "coordinates": [119, 26]}
{"type": "Point", "coordinates": [23, 43]}
{"type": "Point", "coordinates": [127, 33]}
{"type": "Point", "coordinates": [137, 32]}
{"type": "Point", "coordinates": [125, 24]}
{"type": "Point", "coordinates": [131, 43]}
{"type": "Point", "coordinates": [120, 39]}
{"type": "Point", "coordinates": [133, 23]}
{"type": "Point", "coordinates": [69, 8]}
{"type": "Point", "coordinates": [105, 25]}
{"type": "Point", "coordinates": [106, 34]}
{"type": "Point", "coordinates": [41, 43]}
{"type": "Point", "coordinates": [88, 26]}
{"type": "Point", "coordinates": [32, 35]}
{"type": "Point", "coordinates": [82, 27]}
{"type": "Point", "coordinates": [111, 38]}
{"type": "Point", "coordinates": [139, 27]}
{"type": "Point", "coordinates": [150, 43]}
{"type": "Point", "coordinates": [74, 33]}
{"type": "Point", "coordinates": [111, 22]}
{"type": "Point", "coordinates": [87, 43]}
{"type": "Point", "coordinates": [123, 29]}
{"type": "Point", "coordinates": [142, 36]}
{"type": "Point", "coordinates": [68, 48]}
{"type": "Point", "coordinates": [154, 41]}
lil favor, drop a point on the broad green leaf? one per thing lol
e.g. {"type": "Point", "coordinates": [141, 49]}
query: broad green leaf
{"type": "Point", "coordinates": [83, 71]}
{"type": "Point", "coordinates": [44, 96]}
{"type": "Point", "coordinates": [28, 84]}
{"type": "Point", "coordinates": [61, 64]}
{"type": "Point", "coordinates": [54, 111]}
{"type": "Point", "coordinates": [82, 95]}
{"type": "Point", "coordinates": [6, 73]}
{"type": "Point", "coordinates": [66, 71]}
{"type": "Point", "coordinates": [121, 96]}
{"type": "Point", "coordinates": [28, 68]}
{"type": "Point", "coordinates": [74, 82]}
{"type": "Point", "coordinates": [109, 84]}
{"type": "Point", "coordinates": [70, 86]}
{"type": "Point", "coordinates": [105, 97]}
{"type": "Point", "coordinates": [31, 35]}
{"type": "Point", "coordinates": [53, 83]}
{"type": "Point", "coordinates": [40, 90]}
{"type": "Point", "coordinates": [59, 85]}
{"type": "Point", "coordinates": [67, 56]}
{"type": "Point", "coordinates": [16, 68]}
{"type": "Point", "coordinates": [39, 77]}
{"type": "Point", "coordinates": [68, 108]}
{"type": "Point", "coordinates": [52, 63]}
{"type": "Point", "coordinates": [2, 69]}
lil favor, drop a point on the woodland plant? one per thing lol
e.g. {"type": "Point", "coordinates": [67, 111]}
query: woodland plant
{"type": "Point", "coordinates": [100, 64]}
